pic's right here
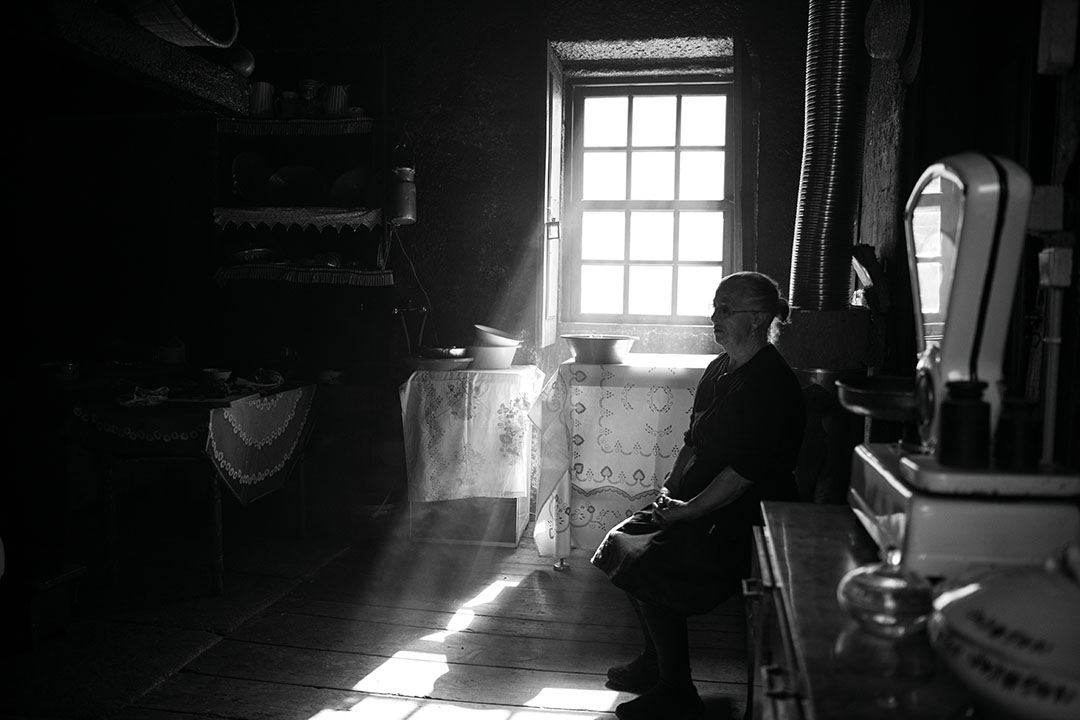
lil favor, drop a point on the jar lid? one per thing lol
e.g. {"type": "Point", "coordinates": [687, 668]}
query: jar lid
{"type": "Point", "coordinates": [886, 599]}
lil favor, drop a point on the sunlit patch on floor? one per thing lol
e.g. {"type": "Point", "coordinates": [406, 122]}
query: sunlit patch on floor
{"type": "Point", "coordinates": [490, 593]}
{"type": "Point", "coordinates": [372, 708]}
{"type": "Point", "coordinates": [463, 618]}
{"type": "Point", "coordinates": [406, 673]}
{"type": "Point", "coordinates": [570, 699]}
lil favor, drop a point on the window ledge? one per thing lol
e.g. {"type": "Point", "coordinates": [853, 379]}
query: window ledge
{"type": "Point", "coordinates": [659, 339]}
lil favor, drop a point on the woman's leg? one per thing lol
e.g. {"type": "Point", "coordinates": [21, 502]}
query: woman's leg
{"type": "Point", "coordinates": [672, 646]}
{"type": "Point", "coordinates": [641, 673]}
{"type": "Point", "coordinates": [674, 696]}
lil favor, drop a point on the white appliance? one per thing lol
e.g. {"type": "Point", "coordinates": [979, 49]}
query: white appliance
{"type": "Point", "coordinates": [949, 504]}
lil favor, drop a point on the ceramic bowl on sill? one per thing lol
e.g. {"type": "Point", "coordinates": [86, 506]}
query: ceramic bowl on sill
{"type": "Point", "coordinates": [593, 349]}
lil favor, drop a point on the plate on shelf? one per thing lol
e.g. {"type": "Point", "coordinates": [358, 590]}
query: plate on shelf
{"type": "Point", "coordinates": [438, 364]}
{"type": "Point", "coordinates": [250, 173]}
{"type": "Point", "coordinates": [297, 185]}
{"type": "Point", "coordinates": [253, 255]}
{"type": "Point", "coordinates": [351, 188]}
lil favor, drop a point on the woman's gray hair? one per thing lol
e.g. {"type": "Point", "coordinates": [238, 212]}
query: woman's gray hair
{"type": "Point", "coordinates": [761, 292]}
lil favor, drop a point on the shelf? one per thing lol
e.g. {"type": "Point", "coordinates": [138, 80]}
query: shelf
{"type": "Point", "coordinates": [302, 217]}
{"type": "Point", "coordinates": [300, 274]}
{"type": "Point", "coordinates": [124, 44]}
{"type": "Point", "coordinates": [295, 128]}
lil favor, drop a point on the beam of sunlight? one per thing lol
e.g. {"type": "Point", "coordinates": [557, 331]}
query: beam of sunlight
{"type": "Point", "coordinates": [453, 712]}
{"type": "Point", "coordinates": [570, 699]}
{"type": "Point", "coordinates": [544, 715]}
{"type": "Point", "coordinates": [380, 708]}
{"type": "Point", "coordinates": [406, 673]}
{"type": "Point", "coordinates": [463, 618]}
{"type": "Point", "coordinates": [373, 708]}
{"type": "Point", "coordinates": [491, 592]}
{"type": "Point", "coordinates": [461, 621]}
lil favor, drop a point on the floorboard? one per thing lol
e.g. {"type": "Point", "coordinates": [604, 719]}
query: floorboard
{"type": "Point", "coordinates": [400, 630]}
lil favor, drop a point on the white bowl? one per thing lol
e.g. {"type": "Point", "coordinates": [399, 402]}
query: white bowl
{"type": "Point", "coordinates": [486, 335]}
{"type": "Point", "coordinates": [491, 357]}
{"type": "Point", "coordinates": [592, 349]}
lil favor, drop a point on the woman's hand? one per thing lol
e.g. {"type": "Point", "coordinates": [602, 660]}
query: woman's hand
{"type": "Point", "coordinates": [669, 511]}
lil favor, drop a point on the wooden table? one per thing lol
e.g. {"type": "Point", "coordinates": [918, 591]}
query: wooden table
{"type": "Point", "coordinates": [808, 657]}
{"type": "Point", "coordinates": [250, 442]}
{"type": "Point", "coordinates": [469, 447]}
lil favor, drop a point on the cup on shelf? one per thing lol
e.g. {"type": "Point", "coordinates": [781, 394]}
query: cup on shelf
{"type": "Point", "coordinates": [311, 96]}
{"type": "Point", "coordinates": [336, 101]}
{"type": "Point", "coordinates": [262, 100]}
{"type": "Point", "coordinates": [288, 105]}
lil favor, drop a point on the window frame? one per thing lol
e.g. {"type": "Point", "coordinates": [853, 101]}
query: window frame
{"type": "Point", "coordinates": [577, 90]}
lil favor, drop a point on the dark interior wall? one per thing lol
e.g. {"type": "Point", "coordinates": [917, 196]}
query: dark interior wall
{"type": "Point", "coordinates": [461, 86]}
{"type": "Point", "coordinates": [465, 93]}
{"type": "Point", "coordinates": [112, 211]}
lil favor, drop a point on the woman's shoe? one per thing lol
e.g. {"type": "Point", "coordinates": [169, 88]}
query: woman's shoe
{"type": "Point", "coordinates": [638, 675]}
{"type": "Point", "coordinates": [664, 703]}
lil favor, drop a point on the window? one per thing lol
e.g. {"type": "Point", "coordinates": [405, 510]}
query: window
{"type": "Point", "coordinates": [934, 230]}
{"type": "Point", "coordinates": [649, 219]}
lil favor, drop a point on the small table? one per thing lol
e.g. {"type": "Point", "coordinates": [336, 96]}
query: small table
{"type": "Point", "coordinates": [468, 435]}
{"type": "Point", "coordinates": [609, 438]}
{"type": "Point", "coordinates": [250, 440]}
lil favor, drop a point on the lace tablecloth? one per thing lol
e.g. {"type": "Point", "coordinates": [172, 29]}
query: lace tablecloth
{"type": "Point", "coordinates": [468, 434]}
{"type": "Point", "coordinates": [250, 442]}
{"type": "Point", "coordinates": [609, 437]}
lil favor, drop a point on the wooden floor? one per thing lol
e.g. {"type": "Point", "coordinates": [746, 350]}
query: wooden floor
{"type": "Point", "coordinates": [401, 630]}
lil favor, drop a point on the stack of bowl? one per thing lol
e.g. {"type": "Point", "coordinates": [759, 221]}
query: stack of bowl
{"type": "Point", "coordinates": [494, 349]}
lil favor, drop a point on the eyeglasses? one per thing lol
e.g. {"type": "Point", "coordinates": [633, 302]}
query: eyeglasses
{"type": "Point", "coordinates": [724, 311]}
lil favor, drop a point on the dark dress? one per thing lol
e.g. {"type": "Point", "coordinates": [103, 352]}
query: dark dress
{"type": "Point", "coordinates": [751, 419]}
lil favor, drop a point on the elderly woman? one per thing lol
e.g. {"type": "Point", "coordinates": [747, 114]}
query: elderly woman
{"type": "Point", "coordinates": [687, 552]}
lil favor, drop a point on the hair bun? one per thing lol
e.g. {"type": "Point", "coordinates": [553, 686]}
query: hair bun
{"type": "Point", "coordinates": [783, 309]}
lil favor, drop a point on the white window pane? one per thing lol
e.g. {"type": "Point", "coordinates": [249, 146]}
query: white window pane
{"type": "Point", "coordinates": [605, 121]}
{"type": "Point", "coordinates": [697, 286]}
{"type": "Point", "coordinates": [601, 289]}
{"type": "Point", "coordinates": [604, 176]}
{"type": "Point", "coordinates": [603, 235]}
{"type": "Point", "coordinates": [654, 121]}
{"type": "Point", "coordinates": [704, 120]}
{"type": "Point", "coordinates": [930, 287]}
{"type": "Point", "coordinates": [652, 235]}
{"type": "Point", "coordinates": [701, 236]}
{"type": "Point", "coordinates": [926, 231]}
{"type": "Point", "coordinates": [701, 175]}
{"type": "Point", "coordinates": [650, 290]}
{"type": "Point", "coordinates": [652, 175]}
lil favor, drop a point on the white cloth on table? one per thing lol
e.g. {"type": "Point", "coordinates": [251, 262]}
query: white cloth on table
{"type": "Point", "coordinates": [609, 438]}
{"type": "Point", "coordinates": [468, 433]}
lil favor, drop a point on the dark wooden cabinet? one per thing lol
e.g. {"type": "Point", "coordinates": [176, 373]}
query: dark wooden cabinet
{"type": "Point", "coordinates": [810, 660]}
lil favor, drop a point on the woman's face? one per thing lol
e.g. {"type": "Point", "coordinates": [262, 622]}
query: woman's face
{"type": "Point", "coordinates": [732, 319]}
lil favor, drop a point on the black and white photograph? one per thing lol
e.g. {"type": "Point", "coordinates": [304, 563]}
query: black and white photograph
{"type": "Point", "coordinates": [543, 360]}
